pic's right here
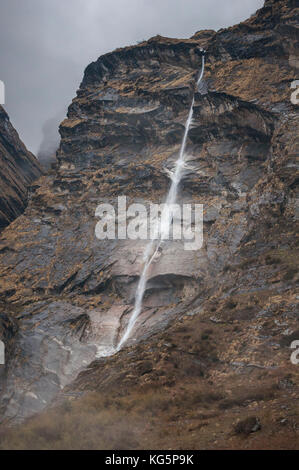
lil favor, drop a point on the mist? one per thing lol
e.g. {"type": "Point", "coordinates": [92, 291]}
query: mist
{"type": "Point", "coordinates": [46, 45]}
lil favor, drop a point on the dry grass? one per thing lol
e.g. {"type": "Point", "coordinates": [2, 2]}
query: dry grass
{"type": "Point", "coordinates": [249, 79]}
{"type": "Point", "coordinates": [90, 423]}
{"type": "Point", "coordinates": [190, 415]}
{"type": "Point", "coordinates": [243, 397]}
{"type": "Point", "coordinates": [96, 421]}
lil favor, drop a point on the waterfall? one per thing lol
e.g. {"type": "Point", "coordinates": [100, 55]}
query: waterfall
{"type": "Point", "coordinates": [166, 220]}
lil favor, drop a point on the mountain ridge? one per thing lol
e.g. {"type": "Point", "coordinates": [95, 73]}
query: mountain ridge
{"type": "Point", "coordinates": [212, 345]}
{"type": "Point", "coordinates": [18, 169]}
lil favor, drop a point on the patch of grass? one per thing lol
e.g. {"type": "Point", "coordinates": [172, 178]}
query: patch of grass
{"type": "Point", "coordinates": [87, 423]}
{"type": "Point", "coordinates": [152, 402]}
{"type": "Point", "coordinates": [204, 397]}
{"type": "Point", "coordinates": [290, 274]}
{"type": "Point", "coordinates": [246, 263]}
{"type": "Point", "coordinates": [206, 334]}
{"type": "Point", "coordinates": [229, 268]}
{"type": "Point", "coordinates": [272, 260]}
{"type": "Point", "coordinates": [244, 397]}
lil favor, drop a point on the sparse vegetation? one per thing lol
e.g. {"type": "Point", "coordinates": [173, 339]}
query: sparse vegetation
{"type": "Point", "coordinates": [270, 259]}
{"type": "Point", "coordinates": [243, 397]}
{"type": "Point", "coordinates": [90, 423]}
{"type": "Point", "coordinates": [290, 274]}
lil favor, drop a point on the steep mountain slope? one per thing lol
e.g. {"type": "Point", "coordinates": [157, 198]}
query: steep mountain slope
{"type": "Point", "coordinates": [18, 168]}
{"type": "Point", "coordinates": [213, 340]}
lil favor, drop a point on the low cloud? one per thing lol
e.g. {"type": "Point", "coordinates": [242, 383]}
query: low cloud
{"type": "Point", "coordinates": [45, 45]}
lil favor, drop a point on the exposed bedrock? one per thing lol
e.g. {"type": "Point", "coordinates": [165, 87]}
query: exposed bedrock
{"type": "Point", "coordinates": [69, 293]}
{"type": "Point", "coordinates": [18, 169]}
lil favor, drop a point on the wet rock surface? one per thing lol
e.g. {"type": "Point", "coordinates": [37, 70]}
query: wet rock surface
{"type": "Point", "coordinates": [72, 293]}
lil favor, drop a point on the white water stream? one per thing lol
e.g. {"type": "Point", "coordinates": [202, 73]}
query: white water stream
{"type": "Point", "coordinates": [166, 220]}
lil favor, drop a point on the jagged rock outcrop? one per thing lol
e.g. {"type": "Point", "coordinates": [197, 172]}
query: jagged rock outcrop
{"type": "Point", "coordinates": [18, 169]}
{"type": "Point", "coordinates": [222, 316]}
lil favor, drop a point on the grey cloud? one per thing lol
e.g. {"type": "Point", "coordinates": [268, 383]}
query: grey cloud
{"type": "Point", "coordinates": [46, 44]}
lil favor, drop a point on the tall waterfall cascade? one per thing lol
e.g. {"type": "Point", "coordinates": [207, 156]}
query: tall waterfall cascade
{"type": "Point", "coordinates": [153, 246]}
{"type": "Point", "coordinates": [162, 231]}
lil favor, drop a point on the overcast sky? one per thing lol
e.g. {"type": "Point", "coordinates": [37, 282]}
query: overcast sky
{"type": "Point", "coordinates": [45, 45]}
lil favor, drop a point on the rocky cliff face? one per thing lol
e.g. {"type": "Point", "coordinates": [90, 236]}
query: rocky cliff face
{"type": "Point", "coordinates": [18, 168]}
{"type": "Point", "coordinates": [220, 319]}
